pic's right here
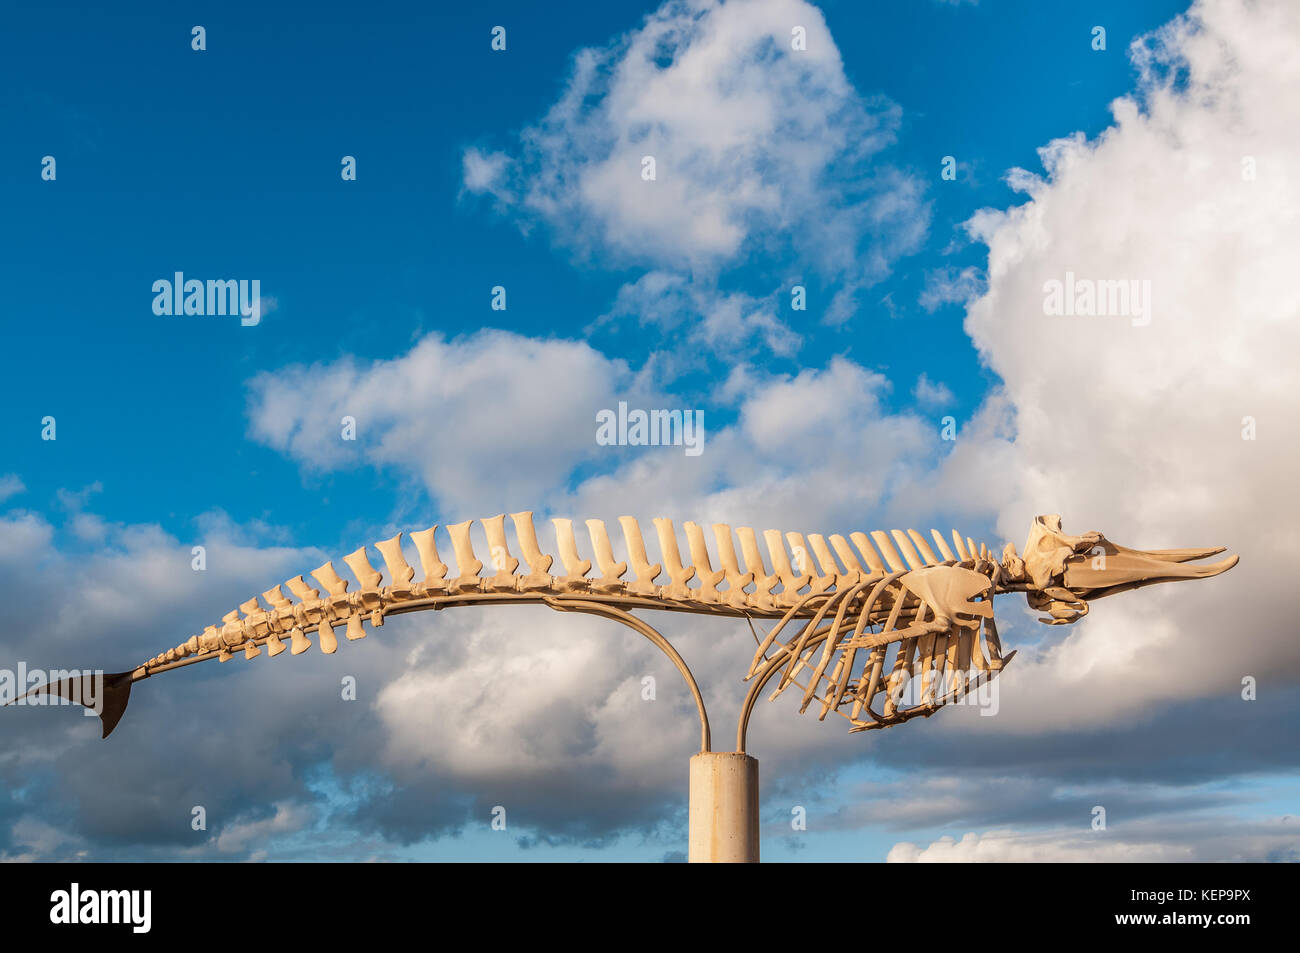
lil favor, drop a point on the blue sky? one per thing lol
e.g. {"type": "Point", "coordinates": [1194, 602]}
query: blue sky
{"type": "Point", "coordinates": [226, 163]}
{"type": "Point", "coordinates": [179, 430]}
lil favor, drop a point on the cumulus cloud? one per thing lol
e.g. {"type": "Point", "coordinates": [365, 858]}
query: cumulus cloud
{"type": "Point", "coordinates": [759, 148]}
{"type": "Point", "coordinates": [488, 421]}
{"type": "Point", "coordinates": [1143, 430]}
{"type": "Point", "coordinates": [491, 416]}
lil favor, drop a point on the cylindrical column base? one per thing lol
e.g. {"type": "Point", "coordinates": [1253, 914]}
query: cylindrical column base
{"type": "Point", "coordinates": [723, 808]}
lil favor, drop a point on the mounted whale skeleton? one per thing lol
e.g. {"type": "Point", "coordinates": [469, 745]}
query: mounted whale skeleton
{"type": "Point", "coordinates": [860, 618]}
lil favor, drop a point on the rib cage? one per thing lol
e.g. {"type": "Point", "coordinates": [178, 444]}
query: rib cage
{"type": "Point", "coordinates": [859, 576]}
{"type": "Point", "coordinates": [922, 649]}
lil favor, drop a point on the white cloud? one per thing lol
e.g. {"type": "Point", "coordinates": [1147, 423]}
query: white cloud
{"type": "Point", "coordinates": [1136, 431]}
{"type": "Point", "coordinates": [757, 147]}
{"type": "Point", "coordinates": [243, 836]}
{"type": "Point", "coordinates": [930, 393]}
{"type": "Point", "coordinates": [951, 286]}
{"type": "Point", "coordinates": [483, 172]}
{"type": "Point", "coordinates": [726, 324]}
{"type": "Point", "coordinates": [498, 422]}
{"type": "Point", "coordinates": [1206, 840]}
{"type": "Point", "coordinates": [10, 485]}
{"type": "Point", "coordinates": [491, 417]}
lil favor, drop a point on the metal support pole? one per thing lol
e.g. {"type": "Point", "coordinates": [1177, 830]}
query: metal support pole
{"type": "Point", "coordinates": [723, 808]}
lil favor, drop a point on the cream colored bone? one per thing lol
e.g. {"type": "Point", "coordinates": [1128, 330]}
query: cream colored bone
{"type": "Point", "coordinates": [930, 604]}
{"type": "Point", "coordinates": [467, 564]}
{"type": "Point", "coordinates": [328, 643]}
{"type": "Point", "coordinates": [847, 556]}
{"type": "Point", "coordinates": [435, 570]}
{"type": "Point", "coordinates": [791, 582]}
{"type": "Point", "coordinates": [611, 572]}
{"type": "Point", "coordinates": [761, 597]}
{"type": "Point", "coordinates": [300, 642]}
{"type": "Point", "coordinates": [869, 554]}
{"type": "Point", "coordinates": [927, 554]}
{"type": "Point", "coordinates": [366, 574]}
{"type": "Point", "coordinates": [736, 580]}
{"type": "Point", "coordinates": [305, 593]}
{"type": "Point", "coordinates": [574, 565]}
{"type": "Point", "coordinates": [909, 551]}
{"type": "Point", "coordinates": [948, 590]}
{"type": "Point", "coordinates": [646, 573]}
{"type": "Point", "coordinates": [539, 563]}
{"type": "Point", "coordinates": [960, 545]}
{"type": "Point", "coordinates": [678, 574]}
{"type": "Point", "coordinates": [494, 528]}
{"type": "Point", "coordinates": [830, 575]}
{"type": "Point", "coordinates": [892, 557]}
{"type": "Point", "coordinates": [334, 584]}
{"type": "Point", "coordinates": [400, 572]}
{"type": "Point", "coordinates": [1048, 547]}
{"type": "Point", "coordinates": [709, 579]}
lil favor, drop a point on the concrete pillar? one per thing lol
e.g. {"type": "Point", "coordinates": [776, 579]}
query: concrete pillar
{"type": "Point", "coordinates": [723, 809]}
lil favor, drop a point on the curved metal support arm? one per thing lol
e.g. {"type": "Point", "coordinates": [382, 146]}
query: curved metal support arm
{"type": "Point", "coordinates": [760, 679]}
{"type": "Point", "coordinates": [631, 621]}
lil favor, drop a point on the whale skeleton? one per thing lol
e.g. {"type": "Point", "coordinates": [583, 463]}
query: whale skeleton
{"type": "Point", "coordinates": [859, 618]}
